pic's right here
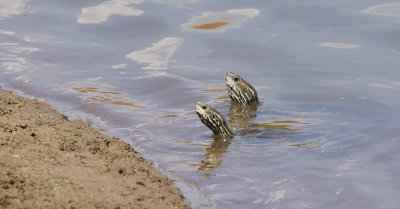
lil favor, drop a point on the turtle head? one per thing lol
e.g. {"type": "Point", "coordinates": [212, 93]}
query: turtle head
{"type": "Point", "coordinates": [213, 119]}
{"type": "Point", "coordinates": [239, 90]}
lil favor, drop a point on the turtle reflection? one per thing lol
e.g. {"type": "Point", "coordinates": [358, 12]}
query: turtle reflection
{"type": "Point", "coordinates": [241, 116]}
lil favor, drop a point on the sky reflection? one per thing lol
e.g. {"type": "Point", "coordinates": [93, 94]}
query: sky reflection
{"type": "Point", "coordinates": [101, 13]}
{"type": "Point", "coordinates": [391, 9]}
{"type": "Point", "coordinates": [157, 56]}
{"type": "Point", "coordinates": [12, 7]}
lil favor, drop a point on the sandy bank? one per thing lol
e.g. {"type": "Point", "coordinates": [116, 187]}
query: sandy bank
{"type": "Point", "coordinates": [48, 161]}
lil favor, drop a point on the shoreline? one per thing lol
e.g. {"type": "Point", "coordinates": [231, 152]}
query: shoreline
{"type": "Point", "coordinates": [48, 161]}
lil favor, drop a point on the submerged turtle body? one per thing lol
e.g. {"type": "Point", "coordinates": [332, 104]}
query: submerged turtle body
{"type": "Point", "coordinates": [239, 90]}
{"type": "Point", "coordinates": [213, 119]}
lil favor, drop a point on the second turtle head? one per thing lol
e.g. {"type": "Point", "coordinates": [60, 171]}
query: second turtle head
{"type": "Point", "coordinates": [239, 90]}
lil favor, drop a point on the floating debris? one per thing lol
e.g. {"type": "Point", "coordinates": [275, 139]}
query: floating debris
{"type": "Point", "coordinates": [220, 21]}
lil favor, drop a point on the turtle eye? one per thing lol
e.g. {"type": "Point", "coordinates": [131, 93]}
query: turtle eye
{"type": "Point", "coordinates": [204, 107]}
{"type": "Point", "coordinates": [236, 78]}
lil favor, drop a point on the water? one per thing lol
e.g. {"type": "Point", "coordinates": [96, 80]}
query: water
{"type": "Point", "coordinates": [328, 71]}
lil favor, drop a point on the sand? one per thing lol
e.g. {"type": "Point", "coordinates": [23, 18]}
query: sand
{"type": "Point", "coordinates": [48, 161]}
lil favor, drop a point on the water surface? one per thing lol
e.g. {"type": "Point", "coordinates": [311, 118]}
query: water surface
{"type": "Point", "coordinates": [326, 134]}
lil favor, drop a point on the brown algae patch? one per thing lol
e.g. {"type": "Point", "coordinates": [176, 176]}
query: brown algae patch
{"type": "Point", "coordinates": [210, 26]}
{"type": "Point", "coordinates": [169, 116]}
{"type": "Point", "coordinates": [106, 100]}
{"type": "Point", "coordinates": [102, 95]}
{"type": "Point", "coordinates": [90, 90]}
{"type": "Point", "coordinates": [214, 90]}
{"type": "Point", "coordinates": [287, 125]}
{"type": "Point", "coordinates": [272, 126]}
{"type": "Point", "coordinates": [311, 145]}
{"type": "Point", "coordinates": [289, 122]}
{"type": "Point", "coordinates": [218, 22]}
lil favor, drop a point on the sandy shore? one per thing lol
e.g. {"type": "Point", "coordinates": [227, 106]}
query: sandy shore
{"type": "Point", "coordinates": [48, 161]}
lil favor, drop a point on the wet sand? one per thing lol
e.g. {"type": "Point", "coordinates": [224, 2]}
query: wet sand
{"type": "Point", "coordinates": [48, 161]}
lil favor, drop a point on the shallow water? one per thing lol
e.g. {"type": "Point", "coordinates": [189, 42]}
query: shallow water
{"type": "Point", "coordinates": [325, 136]}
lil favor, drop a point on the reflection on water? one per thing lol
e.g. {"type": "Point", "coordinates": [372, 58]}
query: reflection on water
{"type": "Point", "coordinates": [240, 116]}
{"type": "Point", "coordinates": [103, 11]}
{"type": "Point", "coordinates": [12, 56]}
{"type": "Point", "coordinates": [175, 2]}
{"type": "Point", "coordinates": [214, 152]}
{"type": "Point", "coordinates": [310, 145]}
{"type": "Point", "coordinates": [119, 67]}
{"type": "Point", "coordinates": [41, 39]}
{"type": "Point", "coordinates": [158, 55]}
{"type": "Point", "coordinates": [274, 197]}
{"type": "Point", "coordinates": [12, 7]}
{"type": "Point", "coordinates": [346, 167]}
{"type": "Point", "coordinates": [381, 85]}
{"type": "Point", "coordinates": [340, 45]}
{"type": "Point", "coordinates": [169, 116]}
{"type": "Point", "coordinates": [273, 125]}
{"type": "Point", "coordinates": [220, 21]}
{"type": "Point", "coordinates": [7, 33]}
{"type": "Point", "coordinates": [391, 9]}
{"type": "Point", "coordinates": [98, 93]}
{"type": "Point", "coordinates": [214, 90]}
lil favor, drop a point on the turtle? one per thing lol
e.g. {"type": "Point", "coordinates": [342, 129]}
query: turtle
{"type": "Point", "coordinates": [240, 91]}
{"type": "Point", "coordinates": [244, 104]}
{"type": "Point", "coordinates": [214, 120]}
{"type": "Point", "coordinates": [244, 101]}
{"type": "Point", "coordinates": [217, 123]}
{"type": "Point", "coordinates": [223, 134]}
